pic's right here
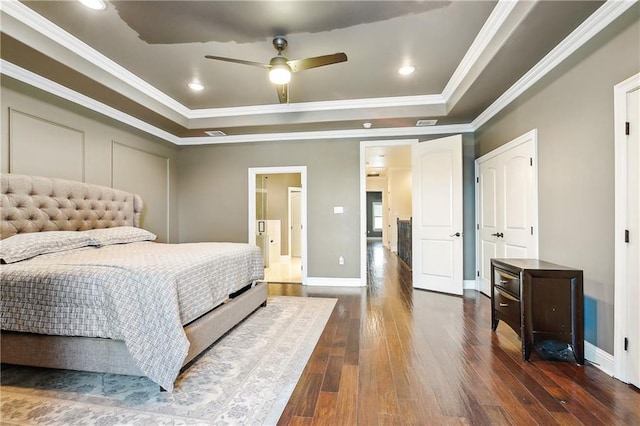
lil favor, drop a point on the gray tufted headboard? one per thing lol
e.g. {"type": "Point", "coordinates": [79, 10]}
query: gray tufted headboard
{"type": "Point", "coordinates": [35, 204]}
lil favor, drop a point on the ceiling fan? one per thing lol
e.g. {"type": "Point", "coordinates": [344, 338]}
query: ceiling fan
{"type": "Point", "coordinates": [280, 68]}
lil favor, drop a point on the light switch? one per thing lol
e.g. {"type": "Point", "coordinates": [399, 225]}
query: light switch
{"type": "Point", "coordinates": [338, 210]}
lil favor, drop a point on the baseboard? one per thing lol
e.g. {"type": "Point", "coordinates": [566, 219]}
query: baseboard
{"type": "Point", "coordinates": [469, 285]}
{"type": "Point", "coordinates": [599, 358]}
{"type": "Point", "coordinates": [335, 282]}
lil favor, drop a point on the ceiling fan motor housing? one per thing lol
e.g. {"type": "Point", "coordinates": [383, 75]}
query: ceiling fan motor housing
{"type": "Point", "coordinates": [280, 43]}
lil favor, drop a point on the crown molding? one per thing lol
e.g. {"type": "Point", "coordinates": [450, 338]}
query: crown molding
{"type": "Point", "coordinates": [496, 20]}
{"type": "Point", "coordinates": [58, 35]}
{"type": "Point", "coordinates": [601, 18]}
{"type": "Point", "coordinates": [331, 134]}
{"type": "Point", "coordinates": [595, 23]}
{"type": "Point", "coordinates": [370, 103]}
{"type": "Point", "coordinates": [35, 80]}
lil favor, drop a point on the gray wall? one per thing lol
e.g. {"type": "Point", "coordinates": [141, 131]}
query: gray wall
{"type": "Point", "coordinates": [214, 200]}
{"type": "Point", "coordinates": [101, 138]}
{"type": "Point", "coordinates": [572, 108]}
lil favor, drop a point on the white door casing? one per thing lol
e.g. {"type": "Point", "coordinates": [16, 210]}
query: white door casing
{"type": "Point", "coordinates": [627, 223]}
{"type": "Point", "coordinates": [437, 215]}
{"type": "Point", "coordinates": [295, 229]}
{"type": "Point", "coordinates": [506, 205]}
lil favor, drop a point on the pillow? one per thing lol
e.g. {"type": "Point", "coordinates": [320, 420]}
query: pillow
{"type": "Point", "coordinates": [118, 235]}
{"type": "Point", "coordinates": [25, 246]}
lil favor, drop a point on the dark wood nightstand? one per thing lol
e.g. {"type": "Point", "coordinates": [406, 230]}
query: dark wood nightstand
{"type": "Point", "coordinates": [539, 301]}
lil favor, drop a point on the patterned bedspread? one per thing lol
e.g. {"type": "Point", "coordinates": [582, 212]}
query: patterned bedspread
{"type": "Point", "coordinates": [142, 293]}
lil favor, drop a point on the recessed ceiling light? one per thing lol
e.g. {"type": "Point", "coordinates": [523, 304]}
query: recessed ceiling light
{"type": "Point", "coordinates": [367, 125]}
{"type": "Point", "coordinates": [196, 85]}
{"type": "Point", "coordinates": [406, 70]}
{"type": "Point", "coordinates": [94, 4]}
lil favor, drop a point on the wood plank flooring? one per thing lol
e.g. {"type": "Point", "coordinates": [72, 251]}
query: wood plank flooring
{"type": "Point", "coordinates": [393, 355]}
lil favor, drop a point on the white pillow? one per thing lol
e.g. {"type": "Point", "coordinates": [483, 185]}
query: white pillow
{"type": "Point", "coordinates": [25, 246]}
{"type": "Point", "coordinates": [118, 235]}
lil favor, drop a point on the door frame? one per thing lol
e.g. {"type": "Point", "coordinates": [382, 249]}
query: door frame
{"type": "Point", "coordinates": [290, 191]}
{"type": "Point", "coordinates": [531, 135]}
{"type": "Point", "coordinates": [621, 285]}
{"type": "Point", "coordinates": [252, 173]}
{"type": "Point", "coordinates": [363, 196]}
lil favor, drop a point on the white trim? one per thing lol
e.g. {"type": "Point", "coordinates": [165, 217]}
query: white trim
{"type": "Point", "coordinates": [469, 285]}
{"type": "Point", "coordinates": [334, 282]}
{"type": "Point", "coordinates": [496, 20]}
{"type": "Point", "coordinates": [35, 80]}
{"type": "Point", "coordinates": [602, 17]}
{"type": "Point", "coordinates": [347, 104]}
{"type": "Point", "coordinates": [251, 238]}
{"type": "Point", "coordinates": [599, 358]}
{"type": "Point", "coordinates": [332, 134]}
{"type": "Point", "coordinates": [58, 35]}
{"type": "Point", "coordinates": [621, 286]}
{"type": "Point", "coordinates": [363, 196]}
{"type": "Point", "coordinates": [290, 191]}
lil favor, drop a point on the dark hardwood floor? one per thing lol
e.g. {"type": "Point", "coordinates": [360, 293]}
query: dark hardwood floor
{"type": "Point", "coordinates": [393, 355]}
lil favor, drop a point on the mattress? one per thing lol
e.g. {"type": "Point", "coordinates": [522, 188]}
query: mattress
{"type": "Point", "coordinates": [140, 292]}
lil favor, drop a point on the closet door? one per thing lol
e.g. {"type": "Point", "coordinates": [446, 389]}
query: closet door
{"type": "Point", "coordinates": [506, 195]}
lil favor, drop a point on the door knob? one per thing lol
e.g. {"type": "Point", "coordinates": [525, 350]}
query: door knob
{"type": "Point", "coordinates": [498, 234]}
{"type": "Point", "coordinates": [457, 234]}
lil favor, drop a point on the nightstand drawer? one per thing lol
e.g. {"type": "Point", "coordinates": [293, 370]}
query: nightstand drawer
{"type": "Point", "coordinates": [508, 308]}
{"type": "Point", "coordinates": [509, 282]}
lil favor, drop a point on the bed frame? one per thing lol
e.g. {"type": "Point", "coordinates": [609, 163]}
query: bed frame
{"type": "Point", "coordinates": [37, 204]}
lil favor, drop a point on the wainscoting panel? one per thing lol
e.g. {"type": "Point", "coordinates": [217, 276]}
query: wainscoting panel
{"type": "Point", "coordinates": [146, 174]}
{"type": "Point", "coordinates": [44, 148]}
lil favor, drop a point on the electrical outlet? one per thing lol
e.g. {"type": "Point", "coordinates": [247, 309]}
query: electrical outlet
{"type": "Point", "coordinates": [341, 260]}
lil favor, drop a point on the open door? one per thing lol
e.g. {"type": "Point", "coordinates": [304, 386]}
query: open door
{"type": "Point", "coordinates": [437, 215]}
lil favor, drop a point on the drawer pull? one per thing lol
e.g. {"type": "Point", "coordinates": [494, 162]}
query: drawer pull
{"type": "Point", "coordinates": [504, 281]}
{"type": "Point", "coordinates": [504, 305]}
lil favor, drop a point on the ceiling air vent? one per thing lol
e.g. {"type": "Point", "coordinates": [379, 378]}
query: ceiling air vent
{"type": "Point", "coordinates": [423, 123]}
{"type": "Point", "coordinates": [215, 133]}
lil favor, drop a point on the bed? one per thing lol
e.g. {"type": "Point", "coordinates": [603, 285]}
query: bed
{"type": "Point", "coordinates": [85, 288]}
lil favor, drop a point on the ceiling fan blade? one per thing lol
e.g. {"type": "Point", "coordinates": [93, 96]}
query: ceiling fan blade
{"type": "Point", "coordinates": [283, 93]}
{"type": "Point", "coordinates": [317, 61]}
{"type": "Point", "coordinates": [238, 61]}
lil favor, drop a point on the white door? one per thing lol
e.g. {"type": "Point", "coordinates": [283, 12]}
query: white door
{"type": "Point", "coordinates": [296, 225]}
{"type": "Point", "coordinates": [633, 246]}
{"type": "Point", "coordinates": [507, 205]}
{"type": "Point", "coordinates": [437, 215]}
{"type": "Point", "coordinates": [489, 223]}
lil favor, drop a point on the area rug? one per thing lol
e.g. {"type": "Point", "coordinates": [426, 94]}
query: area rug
{"type": "Point", "coordinates": [246, 378]}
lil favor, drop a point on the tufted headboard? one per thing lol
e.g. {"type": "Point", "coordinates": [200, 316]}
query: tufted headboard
{"type": "Point", "coordinates": [35, 204]}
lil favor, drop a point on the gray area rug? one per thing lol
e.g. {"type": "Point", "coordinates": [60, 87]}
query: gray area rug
{"type": "Point", "coordinates": [246, 378]}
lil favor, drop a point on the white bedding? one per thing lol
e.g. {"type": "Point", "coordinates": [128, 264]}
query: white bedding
{"type": "Point", "coordinates": [142, 293]}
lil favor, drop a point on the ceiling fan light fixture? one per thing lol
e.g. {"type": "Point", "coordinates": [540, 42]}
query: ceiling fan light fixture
{"type": "Point", "coordinates": [406, 70]}
{"type": "Point", "coordinates": [280, 74]}
{"type": "Point", "coordinates": [94, 4]}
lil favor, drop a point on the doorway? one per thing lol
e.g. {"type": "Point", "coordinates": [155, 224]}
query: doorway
{"type": "Point", "coordinates": [277, 221]}
{"type": "Point", "coordinates": [374, 215]}
{"type": "Point", "coordinates": [385, 167]}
